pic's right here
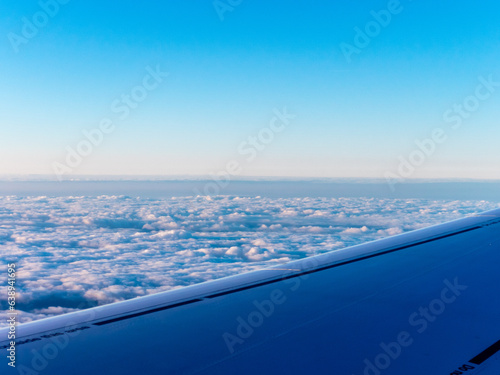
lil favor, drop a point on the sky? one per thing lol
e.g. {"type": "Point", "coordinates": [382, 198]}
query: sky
{"type": "Point", "coordinates": [379, 89]}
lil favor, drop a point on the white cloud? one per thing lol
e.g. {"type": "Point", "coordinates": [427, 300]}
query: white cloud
{"type": "Point", "coordinates": [361, 230]}
{"type": "Point", "coordinates": [78, 252]}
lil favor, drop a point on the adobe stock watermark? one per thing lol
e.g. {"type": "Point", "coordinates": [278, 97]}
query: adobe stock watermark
{"type": "Point", "coordinates": [264, 309]}
{"type": "Point", "coordinates": [249, 149]}
{"type": "Point", "coordinates": [11, 313]}
{"type": "Point", "coordinates": [454, 117]}
{"type": "Point", "coordinates": [55, 343]}
{"type": "Point", "coordinates": [122, 107]}
{"type": "Point", "coordinates": [31, 26]}
{"type": "Point", "coordinates": [246, 327]}
{"type": "Point", "coordinates": [420, 321]}
{"type": "Point", "coordinates": [223, 6]}
{"type": "Point", "coordinates": [372, 29]}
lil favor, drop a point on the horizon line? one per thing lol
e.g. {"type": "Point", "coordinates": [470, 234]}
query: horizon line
{"type": "Point", "coordinates": [198, 178]}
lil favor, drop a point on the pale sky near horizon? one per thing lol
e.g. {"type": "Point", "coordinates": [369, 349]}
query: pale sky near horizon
{"type": "Point", "coordinates": [359, 82]}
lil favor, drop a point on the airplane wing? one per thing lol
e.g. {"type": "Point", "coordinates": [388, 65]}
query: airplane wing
{"type": "Point", "coordinates": [424, 302]}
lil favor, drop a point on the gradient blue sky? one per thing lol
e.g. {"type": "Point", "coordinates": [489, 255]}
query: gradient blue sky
{"type": "Point", "coordinates": [354, 119]}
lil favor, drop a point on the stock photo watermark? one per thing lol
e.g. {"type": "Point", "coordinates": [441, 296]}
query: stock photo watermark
{"type": "Point", "coordinates": [56, 342]}
{"type": "Point", "coordinates": [249, 149]}
{"type": "Point", "coordinates": [122, 107]}
{"type": "Point", "coordinates": [31, 26]}
{"type": "Point", "coordinates": [247, 326]}
{"type": "Point", "coordinates": [454, 117]}
{"type": "Point", "coordinates": [223, 6]}
{"type": "Point", "coordinates": [264, 309]}
{"type": "Point", "coordinates": [363, 36]}
{"type": "Point", "coordinates": [420, 321]}
{"type": "Point", "coordinates": [11, 314]}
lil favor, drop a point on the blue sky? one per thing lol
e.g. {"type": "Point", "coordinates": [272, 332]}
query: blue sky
{"type": "Point", "coordinates": [230, 70]}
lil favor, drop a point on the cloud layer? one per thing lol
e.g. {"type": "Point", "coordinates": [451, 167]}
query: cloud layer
{"type": "Point", "coordinates": [78, 252]}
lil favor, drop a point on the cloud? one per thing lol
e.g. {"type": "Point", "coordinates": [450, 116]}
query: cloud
{"type": "Point", "coordinates": [361, 230]}
{"type": "Point", "coordinates": [78, 252]}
